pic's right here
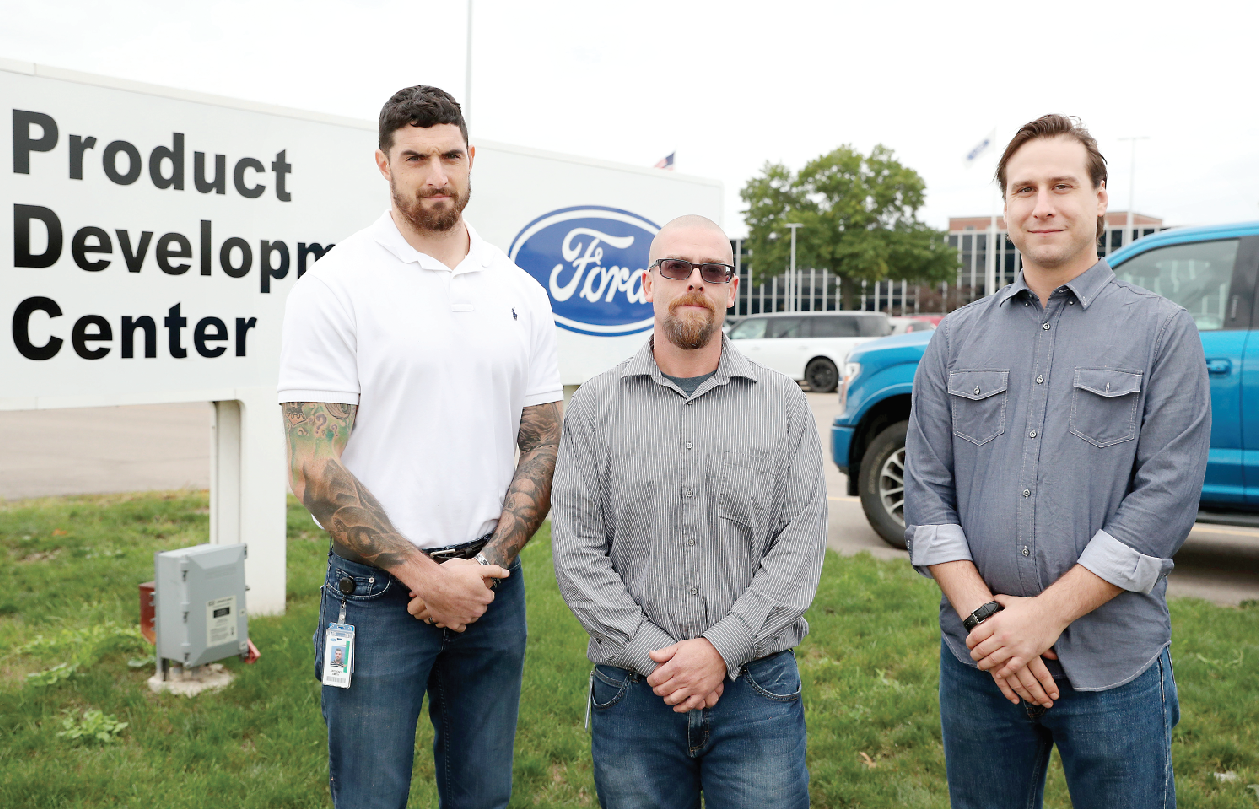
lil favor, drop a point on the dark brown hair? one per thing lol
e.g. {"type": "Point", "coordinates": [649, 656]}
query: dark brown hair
{"type": "Point", "coordinates": [1054, 126]}
{"type": "Point", "coordinates": [423, 106]}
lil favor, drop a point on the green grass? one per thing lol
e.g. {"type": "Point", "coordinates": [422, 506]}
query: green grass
{"type": "Point", "coordinates": [68, 596]}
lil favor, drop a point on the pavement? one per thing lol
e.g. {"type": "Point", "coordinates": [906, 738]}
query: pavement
{"type": "Point", "coordinates": [144, 447]}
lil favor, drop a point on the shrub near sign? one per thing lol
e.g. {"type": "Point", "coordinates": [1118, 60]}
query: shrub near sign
{"type": "Point", "coordinates": [590, 260]}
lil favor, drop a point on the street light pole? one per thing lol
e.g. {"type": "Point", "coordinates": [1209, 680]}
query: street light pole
{"type": "Point", "coordinates": [1132, 186]}
{"type": "Point", "coordinates": [792, 275]}
{"type": "Point", "coordinates": [467, 73]}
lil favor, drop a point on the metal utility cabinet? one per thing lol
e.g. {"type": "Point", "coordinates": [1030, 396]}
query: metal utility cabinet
{"type": "Point", "coordinates": [199, 604]}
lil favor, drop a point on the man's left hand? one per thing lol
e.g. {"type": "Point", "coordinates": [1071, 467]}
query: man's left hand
{"type": "Point", "coordinates": [1014, 637]}
{"type": "Point", "coordinates": [688, 668]}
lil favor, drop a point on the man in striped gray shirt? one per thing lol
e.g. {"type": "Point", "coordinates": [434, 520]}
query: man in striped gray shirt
{"type": "Point", "coordinates": [689, 525]}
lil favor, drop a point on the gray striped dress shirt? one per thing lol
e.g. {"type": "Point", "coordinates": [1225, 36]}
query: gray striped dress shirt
{"type": "Point", "coordinates": [677, 517]}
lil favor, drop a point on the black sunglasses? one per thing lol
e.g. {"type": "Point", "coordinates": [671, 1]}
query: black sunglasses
{"type": "Point", "coordinates": [677, 269]}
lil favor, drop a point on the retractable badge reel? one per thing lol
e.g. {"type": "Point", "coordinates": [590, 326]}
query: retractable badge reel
{"type": "Point", "coordinates": [338, 652]}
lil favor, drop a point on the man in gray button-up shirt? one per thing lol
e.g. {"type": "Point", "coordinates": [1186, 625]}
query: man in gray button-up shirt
{"type": "Point", "coordinates": [1055, 455]}
{"type": "Point", "coordinates": [689, 524]}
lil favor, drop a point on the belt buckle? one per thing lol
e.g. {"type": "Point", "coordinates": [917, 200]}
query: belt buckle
{"type": "Point", "coordinates": [443, 553]}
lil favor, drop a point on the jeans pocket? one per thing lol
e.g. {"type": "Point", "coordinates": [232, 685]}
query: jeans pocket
{"type": "Point", "coordinates": [977, 402]}
{"type": "Point", "coordinates": [350, 581]}
{"type": "Point", "coordinates": [775, 677]}
{"type": "Point", "coordinates": [1104, 405]}
{"type": "Point", "coordinates": [608, 685]}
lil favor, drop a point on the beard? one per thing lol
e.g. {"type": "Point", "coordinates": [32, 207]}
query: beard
{"type": "Point", "coordinates": [439, 219]}
{"type": "Point", "coordinates": [692, 330]}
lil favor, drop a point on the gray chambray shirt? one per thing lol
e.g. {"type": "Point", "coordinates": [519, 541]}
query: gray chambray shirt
{"type": "Point", "coordinates": [1045, 437]}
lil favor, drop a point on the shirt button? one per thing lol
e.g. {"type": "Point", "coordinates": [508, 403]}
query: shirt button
{"type": "Point", "coordinates": [1025, 550]}
{"type": "Point", "coordinates": [695, 590]}
{"type": "Point", "coordinates": [1040, 379]}
{"type": "Point", "coordinates": [1032, 434]}
{"type": "Point", "coordinates": [1070, 303]}
{"type": "Point", "coordinates": [1027, 492]}
{"type": "Point", "coordinates": [690, 542]}
{"type": "Point", "coordinates": [688, 445]}
{"type": "Point", "coordinates": [1045, 326]}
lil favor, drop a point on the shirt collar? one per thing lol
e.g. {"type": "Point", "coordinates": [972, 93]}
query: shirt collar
{"type": "Point", "coordinates": [385, 232]}
{"type": "Point", "coordinates": [1086, 286]}
{"type": "Point", "coordinates": [731, 364]}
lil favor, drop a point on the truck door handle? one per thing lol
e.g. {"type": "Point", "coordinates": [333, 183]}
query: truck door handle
{"type": "Point", "coordinates": [1219, 366]}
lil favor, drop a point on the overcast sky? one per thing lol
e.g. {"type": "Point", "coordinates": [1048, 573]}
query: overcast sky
{"type": "Point", "coordinates": [731, 85]}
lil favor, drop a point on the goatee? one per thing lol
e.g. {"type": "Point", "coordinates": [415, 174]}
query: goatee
{"type": "Point", "coordinates": [692, 330]}
{"type": "Point", "coordinates": [439, 219]}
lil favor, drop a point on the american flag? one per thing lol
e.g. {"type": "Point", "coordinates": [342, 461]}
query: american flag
{"type": "Point", "coordinates": [666, 163]}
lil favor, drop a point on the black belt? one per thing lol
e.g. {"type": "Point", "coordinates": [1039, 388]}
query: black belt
{"type": "Point", "coordinates": [467, 550]}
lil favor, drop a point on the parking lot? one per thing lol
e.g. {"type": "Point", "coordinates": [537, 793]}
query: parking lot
{"type": "Point", "coordinates": [118, 449]}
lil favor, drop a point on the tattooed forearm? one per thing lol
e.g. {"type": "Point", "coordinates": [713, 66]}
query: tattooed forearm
{"type": "Point", "coordinates": [316, 434]}
{"type": "Point", "coordinates": [529, 495]}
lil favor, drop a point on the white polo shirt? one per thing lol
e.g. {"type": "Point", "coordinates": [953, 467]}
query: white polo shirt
{"type": "Point", "coordinates": [440, 363]}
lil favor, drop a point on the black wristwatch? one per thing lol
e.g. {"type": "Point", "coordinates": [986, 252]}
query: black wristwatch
{"type": "Point", "coordinates": [982, 614]}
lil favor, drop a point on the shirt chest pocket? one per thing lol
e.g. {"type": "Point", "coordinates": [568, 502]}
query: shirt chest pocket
{"type": "Point", "coordinates": [744, 478]}
{"type": "Point", "coordinates": [977, 400]}
{"type": "Point", "coordinates": [1104, 405]}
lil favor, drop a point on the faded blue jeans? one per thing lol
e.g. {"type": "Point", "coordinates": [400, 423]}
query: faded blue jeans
{"type": "Point", "coordinates": [746, 752]}
{"type": "Point", "coordinates": [472, 681]}
{"type": "Point", "coordinates": [1116, 745]}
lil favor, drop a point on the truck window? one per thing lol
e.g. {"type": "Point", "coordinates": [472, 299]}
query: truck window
{"type": "Point", "coordinates": [875, 325]}
{"type": "Point", "coordinates": [1197, 276]}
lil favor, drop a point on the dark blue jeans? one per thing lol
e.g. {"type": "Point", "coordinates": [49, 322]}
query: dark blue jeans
{"type": "Point", "coordinates": [746, 751]}
{"type": "Point", "coordinates": [472, 681]}
{"type": "Point", "coordinates": [1116, 745]}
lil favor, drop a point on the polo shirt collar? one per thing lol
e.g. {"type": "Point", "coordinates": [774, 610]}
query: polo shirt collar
{"type": "Point", "coordinates": [1086, 286]}
{"type": "Point", "coordinates": [386, 233]}
{"type": "Point", "coordinates": [731, 364]}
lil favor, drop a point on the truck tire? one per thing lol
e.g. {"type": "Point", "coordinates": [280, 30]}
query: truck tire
{"type": "Point", "coordinates": [881, 484]}
{"type": "Point", "coordinates": [822, 375]}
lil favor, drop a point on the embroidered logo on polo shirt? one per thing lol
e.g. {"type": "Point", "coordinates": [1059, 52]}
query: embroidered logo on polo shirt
{"type": "Point", "coordinates": [513, 313]}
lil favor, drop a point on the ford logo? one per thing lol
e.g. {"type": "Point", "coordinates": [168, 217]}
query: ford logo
{"type": "Point", "coordinates": [590, 260]}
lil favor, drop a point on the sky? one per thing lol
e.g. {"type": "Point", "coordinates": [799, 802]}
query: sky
{"type": "Point", "coordinates": [730, 86]}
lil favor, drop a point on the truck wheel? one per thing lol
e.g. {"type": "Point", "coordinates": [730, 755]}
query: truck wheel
{"type": "Point", "coordinates": [882, 484]}
{"type": "Point", "coordinates": [822, 375]}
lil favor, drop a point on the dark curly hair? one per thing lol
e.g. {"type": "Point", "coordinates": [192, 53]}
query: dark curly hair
{"type": "Point", "coordinates": [1053, 126]}
{"type": "Point", "coordinates": [422, 106]}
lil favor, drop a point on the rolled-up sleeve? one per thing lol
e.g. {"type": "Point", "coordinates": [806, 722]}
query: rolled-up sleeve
{"type": "Point", "coordinates": [1134, 549]}
{"type": "Point", "coordinates": [594, 591]}
{"type": "Point", "coordinates": [784, 586]}
{"type": "Point", "coordinates": [933, 531]}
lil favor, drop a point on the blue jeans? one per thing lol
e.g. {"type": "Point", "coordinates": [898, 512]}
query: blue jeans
{"type": "Point", "coordinates": [472, 680]}
{"type": "Point", "coordinates": [1116, 745]}
{"type": "Point", "coordinates": [746, 751]}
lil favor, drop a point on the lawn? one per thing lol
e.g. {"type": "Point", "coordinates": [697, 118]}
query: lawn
{"type": "Point", "coordinates": [79, 728]}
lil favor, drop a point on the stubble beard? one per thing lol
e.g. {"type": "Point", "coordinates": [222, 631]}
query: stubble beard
{"type": "Point", "coordinates": [690, 331]}
{"type": "Point", "coordinates": [431, 220]}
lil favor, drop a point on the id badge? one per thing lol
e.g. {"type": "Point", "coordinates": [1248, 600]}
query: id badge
{"type": "Point", "coordinates": [338, 655]}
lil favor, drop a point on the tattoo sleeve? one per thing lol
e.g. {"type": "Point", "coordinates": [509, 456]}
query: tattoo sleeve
{"type": "Point", "coordinates": [529, 495]}
{"type": "Point", "coordinates": [315, 436]}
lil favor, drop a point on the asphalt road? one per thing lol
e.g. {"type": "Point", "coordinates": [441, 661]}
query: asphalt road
{"type": "Point", "coordinates": [120, 449]}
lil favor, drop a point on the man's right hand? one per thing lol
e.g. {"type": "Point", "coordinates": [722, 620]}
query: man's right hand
{"type": "Point", "coordinates": [1032, 683]}
{"type": "Point", "coordinates": [455, 595]}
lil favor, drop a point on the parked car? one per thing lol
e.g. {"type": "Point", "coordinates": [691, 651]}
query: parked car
{"type": "Point", "coordinates": [809, 347]}
{"type": "Point", "coordinates": [909, 325]}
{"type": "Point", "coordinates": [1211, 271]}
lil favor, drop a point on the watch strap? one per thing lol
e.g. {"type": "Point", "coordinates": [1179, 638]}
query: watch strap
{"type": "Point", "coordinates": [982, 614]}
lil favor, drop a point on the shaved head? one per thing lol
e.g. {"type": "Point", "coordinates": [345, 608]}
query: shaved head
{"type": "Point", "coordinates": [691, 222]}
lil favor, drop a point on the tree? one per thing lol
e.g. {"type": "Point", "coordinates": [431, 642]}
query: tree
{"type": "Point", "coordinates": [859, 217]}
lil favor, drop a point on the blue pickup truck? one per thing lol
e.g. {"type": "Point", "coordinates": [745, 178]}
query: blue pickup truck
{"type": "Point", "coordinates": [1211, 271]}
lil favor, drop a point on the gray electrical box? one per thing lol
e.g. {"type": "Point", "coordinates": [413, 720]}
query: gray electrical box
{"type": "Point", "coordinates": [199, 604]}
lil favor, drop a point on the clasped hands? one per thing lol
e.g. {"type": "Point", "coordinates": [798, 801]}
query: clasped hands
{"type": "Point", "coordinates": [689, 674]}
{"type": "Point", "coordinates": [1013, 644]}
{"type": "Point", "coordinates": [457, 596]}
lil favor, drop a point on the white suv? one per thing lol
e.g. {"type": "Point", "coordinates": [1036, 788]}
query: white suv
{"type": "Point", "coordinates": [808, 346]}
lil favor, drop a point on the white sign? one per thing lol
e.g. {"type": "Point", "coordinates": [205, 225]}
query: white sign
{"type": "Point", "coordinates": [148, 238]}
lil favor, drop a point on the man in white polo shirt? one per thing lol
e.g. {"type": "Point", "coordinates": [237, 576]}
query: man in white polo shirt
{"type": "Point", "coordinates": [416, 358]}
